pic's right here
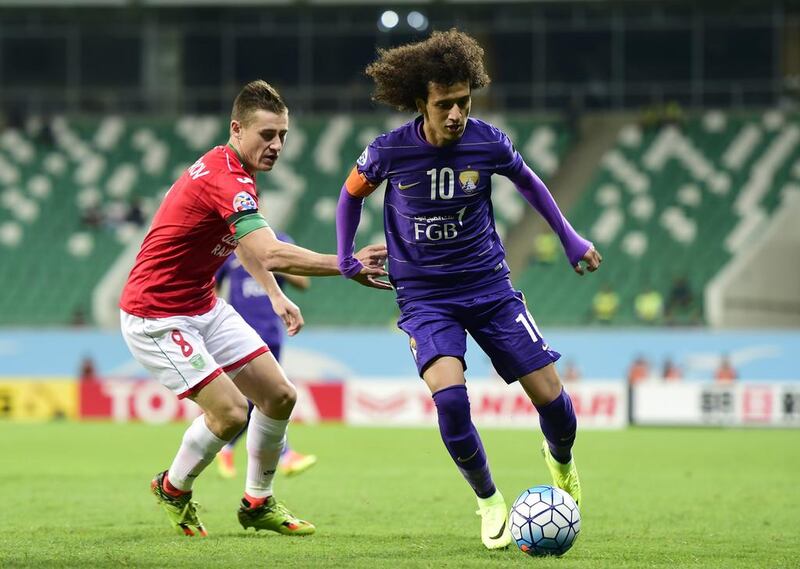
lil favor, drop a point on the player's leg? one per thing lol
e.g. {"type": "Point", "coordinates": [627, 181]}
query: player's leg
{"type": "Point", "coordinates": [556, 414]}
{"type": "Point", "coordinates": [438, 344]}
{"type": "Point", "coordinates": [445, 379]}
{"type": "Point", "coordinates": [241, 351]}
{"type": "Point", "coordinates": [263, 382]}
{"type": "Point", "coordinates": [559, 426]}
{"type": "Point", "coordinates": [173, 350]}
{"type": "Point", "coordinates": [505, 329]}
{"type": "Point", "coordinates": [291, 461]}
{"type": "Point", "coordinates": [224, 411]}
{"type": "Point", "coordinates": [226, 465]}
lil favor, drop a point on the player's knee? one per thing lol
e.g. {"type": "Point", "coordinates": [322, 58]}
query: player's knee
{"type": "Point", "coordinates": [231, 420]}
{"type": "Point", "coordinates": [284, 397]}
{"type": "Point", "coordinates": [542, 385]}
{"type": "Point", "coordinates": [238, 416]}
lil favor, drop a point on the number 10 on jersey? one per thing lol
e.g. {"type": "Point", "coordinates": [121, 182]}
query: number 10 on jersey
{"type": "Point", "coordinates": [445, 188]}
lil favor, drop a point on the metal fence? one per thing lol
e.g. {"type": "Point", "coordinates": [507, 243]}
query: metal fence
{"type": "Point", "coordinates": [542, 56]}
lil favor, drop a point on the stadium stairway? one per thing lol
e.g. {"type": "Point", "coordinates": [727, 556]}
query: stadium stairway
{"type": "Point", "coordinates": [672, 201]}
{"type": "Point", "coordinates": [596, 136]}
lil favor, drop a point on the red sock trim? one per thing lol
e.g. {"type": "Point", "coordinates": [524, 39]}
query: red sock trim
{"type": "Point", "coordinates": [170, 489]}
{"type": "Point", "coordinates": [255, 502]}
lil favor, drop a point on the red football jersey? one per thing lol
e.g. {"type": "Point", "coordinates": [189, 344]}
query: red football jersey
{"type": "Point", "coordinates": [191, 236]}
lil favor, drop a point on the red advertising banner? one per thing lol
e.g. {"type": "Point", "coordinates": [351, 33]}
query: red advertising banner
{"type": "Point", "coordinates": [125, 400]}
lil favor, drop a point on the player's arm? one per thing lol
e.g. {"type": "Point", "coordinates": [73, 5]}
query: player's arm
{"type": "Point", "coordinates": [272, 254]}
{"type": "Point", "coordinates": [283, 307]}
{"type": "Point", "coordinates": [536, 193]}
{"type": "Point", "coordinates": [348, 216]}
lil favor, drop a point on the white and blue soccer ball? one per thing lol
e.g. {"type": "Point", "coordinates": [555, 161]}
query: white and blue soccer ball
{"type": "Point", "coordinates": [544, 520]}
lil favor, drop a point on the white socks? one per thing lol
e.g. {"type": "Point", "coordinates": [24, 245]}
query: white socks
{"type": "Point", "coordinates": [198, 449]}
{"type": "Point", "coordinates": [266, 438]}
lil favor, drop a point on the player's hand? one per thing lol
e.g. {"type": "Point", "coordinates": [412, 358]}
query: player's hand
{"type": "Point", "coordinates": [592, 258]}
{"type": "Point", "coordinates": [373, 256]}
{"type": "Point", "coordinates": [369, 277]}
{"type": "Point", "coordinates": [289, 313]}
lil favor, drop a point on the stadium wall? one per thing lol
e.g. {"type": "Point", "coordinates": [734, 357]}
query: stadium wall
{"type": "Point", "coordinates": [369, 401]}
{"type": "Point", "coordinates": [341, 353]}
{"type": "Point", "coordinates": [736, 296]}
{"type": "Point", "coordinates": [338, 380]}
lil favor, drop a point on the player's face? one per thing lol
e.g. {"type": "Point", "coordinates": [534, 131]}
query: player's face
{"type": "Point", "coordinates": [445, 112]}
{"type": "Point", "coordinates": [261, 140]}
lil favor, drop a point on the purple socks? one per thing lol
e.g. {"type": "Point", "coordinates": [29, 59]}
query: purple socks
{"type": "Point", "coordinates": [559, 424]}
{"type": "Point", "coordinates": [462, 439]}
{"type": "Point", "coordinates": [557, 420]}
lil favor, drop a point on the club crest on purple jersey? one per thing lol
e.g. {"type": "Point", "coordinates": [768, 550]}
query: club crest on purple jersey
{"type": "Point", "coordinates": [469, 181]}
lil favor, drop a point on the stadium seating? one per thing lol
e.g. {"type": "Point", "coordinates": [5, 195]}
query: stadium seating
{"type": "Point", "coordinates": [66, 186]}
{"type": "Point", "coordinates": [672, 201]}
{"type": "Point", "coordinates": [664, 202]}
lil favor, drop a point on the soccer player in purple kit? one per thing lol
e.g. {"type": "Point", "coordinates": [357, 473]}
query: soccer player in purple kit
{"type": "Point", "coordinates": [446, 260]}
{"type": "Point", "coordinates": [250, 300]}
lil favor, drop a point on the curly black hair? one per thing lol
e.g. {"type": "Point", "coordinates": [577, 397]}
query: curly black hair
{"type": "Point", "coordinates": [402, 74]}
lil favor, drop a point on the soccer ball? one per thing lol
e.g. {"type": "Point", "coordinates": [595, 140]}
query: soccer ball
{"type": "Point", "coordinates": [544, 521]}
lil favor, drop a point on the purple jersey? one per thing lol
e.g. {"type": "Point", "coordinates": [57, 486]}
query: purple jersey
{"type": "Point", "coordinates": [438, 214]}
{"type": "Point", "coordinates": [248, 298]}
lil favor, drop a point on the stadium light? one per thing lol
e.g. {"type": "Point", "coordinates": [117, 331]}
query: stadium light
{"type": "Point", "coordinates": [389, 19]}
{"type": "Point", "coordinates": [417, 20]}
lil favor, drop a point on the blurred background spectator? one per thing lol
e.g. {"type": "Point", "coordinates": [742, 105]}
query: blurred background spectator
{"type": "Point", "coordinates": [649, 306]}
{"type": "Point", "coordinates": [605, 304]}
{"type": "Point", "coordinates": [639, 371]}
{"type": "Point", "coordinates": [670, 371]}
{"type": "Point", "coordinates": [725, 372]}
{"type": "Point", "coordinates": [681, 303]}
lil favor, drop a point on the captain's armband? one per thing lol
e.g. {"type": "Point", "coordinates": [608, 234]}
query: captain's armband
{"type": "Point", "coordinates": [357, 184]}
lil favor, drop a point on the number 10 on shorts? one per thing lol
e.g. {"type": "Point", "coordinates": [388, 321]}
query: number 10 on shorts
{"type": "Point", "coordinates": [526, 319]}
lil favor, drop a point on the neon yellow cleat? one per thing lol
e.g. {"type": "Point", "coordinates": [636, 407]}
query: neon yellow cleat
{"type": "Point", "coordinates": [273, 516]}
{"type": "Point", "coordinates": [225, 464]}
{"type": "Point", "coordinates": [565, 476]}
{"type": "Point", "coordinates": [293, 463]}
{"type": "Point", "coordinates": [181, 511]}
{"type": "Point", "coordinates": [494, 521]}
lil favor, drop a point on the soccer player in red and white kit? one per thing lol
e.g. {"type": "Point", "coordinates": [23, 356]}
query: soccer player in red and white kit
{"type": "Point", "coordinates": [194, 343]}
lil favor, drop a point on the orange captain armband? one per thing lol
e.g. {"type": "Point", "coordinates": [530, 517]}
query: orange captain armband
{"type": "Point", "coordinates": [357, 184]}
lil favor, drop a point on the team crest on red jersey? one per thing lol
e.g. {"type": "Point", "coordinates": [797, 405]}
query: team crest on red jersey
{"type": "Point", "coordinates": [244, 201]}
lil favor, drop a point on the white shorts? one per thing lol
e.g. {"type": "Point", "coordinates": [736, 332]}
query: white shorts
{"type": "Point", "coordinates": [185, 353]}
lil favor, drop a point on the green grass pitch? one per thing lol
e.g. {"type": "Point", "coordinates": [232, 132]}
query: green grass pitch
{"type": "Point", "coordinates": [76, 495]}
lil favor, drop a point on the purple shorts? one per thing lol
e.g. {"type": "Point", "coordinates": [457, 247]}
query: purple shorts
{"type": "Point", "coordinates": [499, 322]}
